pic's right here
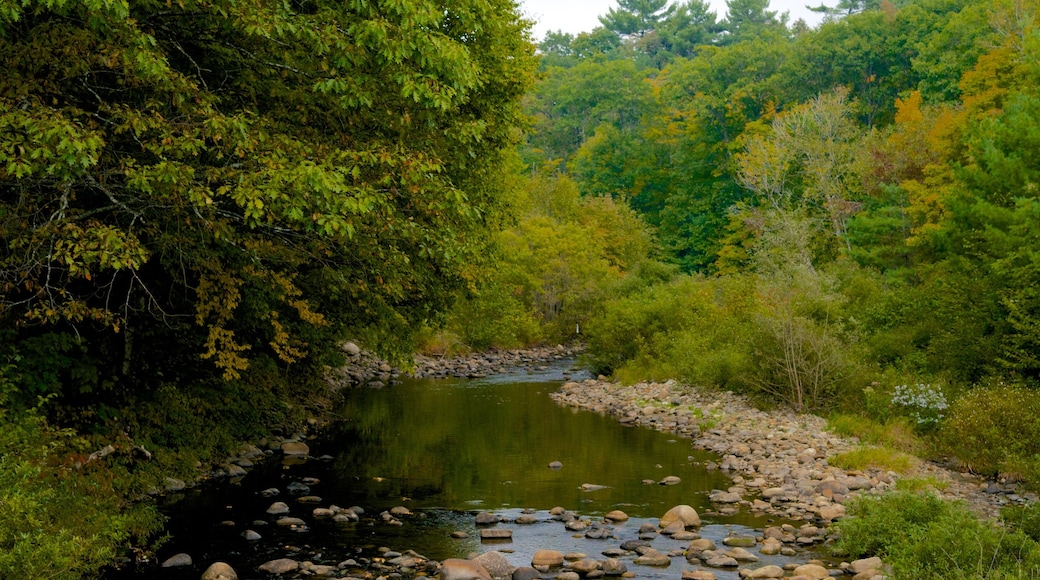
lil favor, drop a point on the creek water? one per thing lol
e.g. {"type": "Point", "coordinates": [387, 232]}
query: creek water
{"type": "Point", "coordinates": [447, 449]}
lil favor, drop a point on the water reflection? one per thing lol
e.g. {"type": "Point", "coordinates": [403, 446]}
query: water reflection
{"type": "Point", "coordinates": [445, 450]}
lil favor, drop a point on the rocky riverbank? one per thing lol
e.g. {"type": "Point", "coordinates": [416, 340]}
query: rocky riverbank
{"type": "Point", "coordinates": [777, 459]}
{"type": "Point", "coordinates": [363, 368]}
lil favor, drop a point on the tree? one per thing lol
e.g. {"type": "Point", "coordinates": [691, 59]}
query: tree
{"type": "Point", "coordinates": [807, 164]}
{"type": "Point", "coordinates": [237, 180]}
{"type": "Point", "coordinates": [846, 7]}
{"type": "Point", "coordinates": [636, 17]}
{"type": "Point", "coordinates": [746, 19]}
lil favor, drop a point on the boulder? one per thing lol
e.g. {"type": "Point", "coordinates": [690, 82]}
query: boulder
{"type": "Point", "coordinates": [651, 557]}
{"type": "Point", "coordinates": [741, 555]}
{"type": "Point", "coordinates": [866, 564]}
{"type": "Point", "coordinates": [613, 567]}
{"type": "Point", "coordinates": [280, 566]}
{"type": "Point", "coordinates": [495, 564]}
{"type": "Point", "coordinates": [526, 573]}
{"type": "Point", "coordinates": [177, 561]}
{"type": "Point", "coordinates": [278, 508]}
{"type": "Point", "coordinates": [616, 516]}
{"type": "Point", "coordinates": [219, 571]}
{"type": "Point", "coordinates": [721, 562]}
{"type": "Point", "coordinates": [681, 513]}
{"type": "Point", "coordinates": [673, 528]}
{"type": "Point", "coordinates": [697, 575]}
{"type": "Point", "coordinates": [485, 519]}
{"type": "Point", "coordinates": [585, 566]}
{"type": "Point", "coordinates": [547, 558]}
{"type": "Point", "coordinates": [771, 547]}
{"type": "Point", "coordinates": [496, 534]}
{"type": "Point", "coordinates": [458, 569]}
{"type": "Point", "coordinates": [814, 571]}
{"type": "Point", "coordinates": [295, 448]}
{"type": "Point", "coordinates": [770, 571]}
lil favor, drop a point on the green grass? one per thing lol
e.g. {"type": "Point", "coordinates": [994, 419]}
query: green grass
{"type": "Point", "coordinates": [877, 457]}
{"type": "Point", "coordinates": [896, 433]}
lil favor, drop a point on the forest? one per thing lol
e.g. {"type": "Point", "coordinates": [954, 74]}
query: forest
{"type": "Point", "coordinates": [200, 200]}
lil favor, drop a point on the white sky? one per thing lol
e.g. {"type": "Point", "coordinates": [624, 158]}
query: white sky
{"type": "Point", "coordinates": [576, 16]}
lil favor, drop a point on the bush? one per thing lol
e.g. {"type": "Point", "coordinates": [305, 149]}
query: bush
{"type": "Point", "coordinates": [57, 521]}
{"type": "Point", "coordinates": [994, 429]}
{"type": "Point", "coordinates": [922, 536]}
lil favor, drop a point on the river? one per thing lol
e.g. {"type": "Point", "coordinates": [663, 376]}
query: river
{"type": "Point", "coordinates": [446, 450]}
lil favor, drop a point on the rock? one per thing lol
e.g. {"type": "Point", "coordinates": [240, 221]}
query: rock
{"type": "Point", "coordinates": [866, 564]}
{"type": "Point", "coordinates": [526, 520]}
{"type": "Point", "coordinates": [616, 516]}
{"type": "Point", "coordinates": [270, 492]}
{"type": "Point", "coordinates": [585, 566]}
{"type": "Point", "coordinates": [568, 576]}
{"type": "Point", "coordinates": [485, 519]}
{"type": "Point", "coordinates": [697, 575]}
{"type": "Point", "coordinates": [651, 557]}
{"type": "Point", "coordinates": [288, 521]}
{"type": "Point", "coordinates": [613, 567]}
{"type": "Point", "coordinates": [673, 528]}
{"type": "Point", "coordinates": [496, 534]}
{"type": "Point", "coordinates": [219, 571]}
{"type": "Point", "coordinates": [278, 508]}
{"type": "Point", "coordinates": [633, 545]}
{"type": "Point", "coordinates": [400, 511]}
{"type": "Point", "coordinates": [295, 448]}
{"type": "Point", "coordinates": [458, 569]}
{"type": "Point", "coordinates": [832, 512]}
{"type": "Point", "coordinates": [351, 349]}
{"type": "Point", "coordinates": [526, 573]}
{"type": "Point", "coordinates": [459, 535]}
{"type": "Point", "coordinates": [322, 513]}
{"type": "Point", "coordinates": [177, 561]}
{"type": "Point", "coordinates": [739, 541]}
{"type": "Point", "coordinates": [813, 571]}
{"type": "Point", "coordinates": [251, 536]}
{"type": "Point", "coordinates": [770, 571]}
{"type": "Point", "coordinates": [576, 525]}
{"type": "Point", "coordinates": [771, 547]}
{"type": "Point", "coordinates": [555, 465]}
{"type": "Point", "coordinates": [234, 470]}
{"type": "Point", "coordinates": [685, 536]}
{"type": "Point", "coordinates": [670, 480]}
{"type": "Point", "coordinates": [599, 532]}
{"type": "Point", "coordinates": [495, 563]}
{"type": "Point", "coordinates": [592, 487]}
{"type": "Point", "coordinates": [298, 488]}
{"type": "Point", "coordinates": [699, 545]}
{"type": "Point", "coordinates": [725, 497]}
{"type": "Point", "coordinates": [721, 562]}
{"type": "Point", "coordinates": [173, 484]}
{"type": "Point", "coordinates": [681, 513]}
{"type": "Point", "coordinates": [741, 555]}
{"type": "Point", "coordinates": [547, 558]}
{"type": "Point", "coordinates": [280, 566]}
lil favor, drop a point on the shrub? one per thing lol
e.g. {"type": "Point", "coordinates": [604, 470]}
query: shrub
{"type": "Point", "coordinates": [55, 521]}
{"type": "Point", "coordinates": [922, 536]}
{"type": "Point", "coordinates": [993, 429]}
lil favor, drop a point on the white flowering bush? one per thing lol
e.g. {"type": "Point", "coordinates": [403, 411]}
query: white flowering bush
{"type": "Point", "coordinates": [924, 404]}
